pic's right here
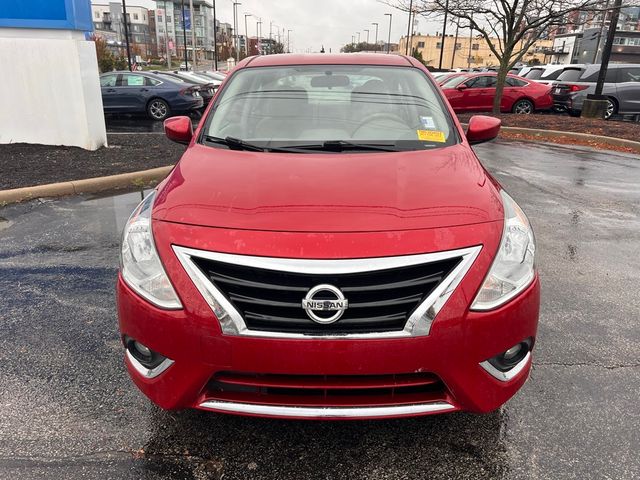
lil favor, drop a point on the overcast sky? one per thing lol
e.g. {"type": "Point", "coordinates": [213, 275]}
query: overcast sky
{"type": "Point", "coordinates": [315, 23]}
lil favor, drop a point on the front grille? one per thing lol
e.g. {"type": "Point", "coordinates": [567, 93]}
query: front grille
{"type": "Point", "coordinates": [379, 301]}
{"type": "Point", "coordinates": [326, 390]}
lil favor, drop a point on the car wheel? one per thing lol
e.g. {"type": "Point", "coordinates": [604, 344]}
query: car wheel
{"type": "Point", "coordinates": [158, 109]}
{"type": "Point", "coordinates": [611, 110]}
{"type": "Point", "coordinates": [523, 107]}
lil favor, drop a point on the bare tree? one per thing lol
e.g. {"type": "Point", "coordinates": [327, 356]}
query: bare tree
{"type": "Point", "coordinates": [509, 27]}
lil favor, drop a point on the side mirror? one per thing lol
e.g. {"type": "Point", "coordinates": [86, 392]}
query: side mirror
{"type": "Point", "coordinates": [461, 87]}
{"type": "Point", "coordinates": [178, 129]}
{"type": "Point", "coordinates": [482, 129]}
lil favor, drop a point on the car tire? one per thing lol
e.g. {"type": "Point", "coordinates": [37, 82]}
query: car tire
{"type": "Point", "coordinates": [612, 108]}
{"type": "Point", "coordinates": [158, 109]}
{"type": "Point", "coordinates": [523, 107]}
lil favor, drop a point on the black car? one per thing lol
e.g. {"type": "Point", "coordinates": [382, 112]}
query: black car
{"type": "Point", "coordinates": [137, 92]}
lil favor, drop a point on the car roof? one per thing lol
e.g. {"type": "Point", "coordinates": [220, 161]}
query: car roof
{"type": "Point", "coordinates": [326, 59]}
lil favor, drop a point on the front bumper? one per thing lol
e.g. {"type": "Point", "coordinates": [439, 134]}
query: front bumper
{"type": "Point", "coordinates": [458, 343]}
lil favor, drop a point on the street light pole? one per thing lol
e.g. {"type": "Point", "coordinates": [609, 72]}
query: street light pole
{"type": "Point", "coordinates": [375, 48]}
{"type": "Point", "coordinates": [215, 38]}
{"type": "Point", "coordinates": [246, 35]}
{"type": "Point", "coordinates": [367, 37]}
{"type": "Point", "coordinates": [389, 38]}
{"type": "Point", "coordinates": [444, 33]}
{"type": "Point", "coordinates": [126, 34]}
{"type": "Point", "coordinates": [289, 41]}
{"type": "Point", "coordinates": [235, 29]}
{"type": "Point", "coordinates": [166, 30]}
{"type": "Point", "coordinates": [358, 33]}
{"type": "Point", "coordinates": [259, 45]}
{"type": "Point", "coordinates": [194, 57]}
{"type": "Point", "coordinates": [184, 35]}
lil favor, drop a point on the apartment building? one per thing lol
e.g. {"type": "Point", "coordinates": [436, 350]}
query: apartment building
{"type": "Point", "coordinates": [108, 22]}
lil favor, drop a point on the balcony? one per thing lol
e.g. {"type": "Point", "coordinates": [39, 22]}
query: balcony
{"type": "Point", "coordinates": [555, 51]}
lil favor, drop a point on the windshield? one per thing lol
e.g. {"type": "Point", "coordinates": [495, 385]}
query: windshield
{"type": "Point", "coordinates": [397, 108]}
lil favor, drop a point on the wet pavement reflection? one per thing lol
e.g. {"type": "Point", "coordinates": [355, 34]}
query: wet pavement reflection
{"type": "Point", "coordinates": [68, 409]}
{"type": "Point", "coordinates": [140, 123]}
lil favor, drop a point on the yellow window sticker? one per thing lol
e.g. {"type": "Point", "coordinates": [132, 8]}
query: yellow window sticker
{"type": "Point", "coordinates": [431, 136]}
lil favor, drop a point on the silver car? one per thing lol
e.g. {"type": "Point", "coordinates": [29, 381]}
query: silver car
{"type": "Point", "coordinates": [621, 87]}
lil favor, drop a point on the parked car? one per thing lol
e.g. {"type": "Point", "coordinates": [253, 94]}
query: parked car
{"type": "Point", "coordinates": [325, 250]}
{"type": "Point", "coordinates": [158, 97]}
{"type": "Point", "coordinates": [550, 74]}
{"type": "Point", "coordinates": [206, 87]}
{"type": "Point", "coordinates": [445, 77]}
{"type": "Point", "coordinates": [219, 76]}
{"type": "Point", "coordinates": [475, 92]}
{"type": "Point", "coordinates": [621, 89]}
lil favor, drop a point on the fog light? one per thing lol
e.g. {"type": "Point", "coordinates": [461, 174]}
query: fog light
{"type": "Point", "coordinates": [143, 354]}
{"type": "Point", "coordinates": [512, 356]}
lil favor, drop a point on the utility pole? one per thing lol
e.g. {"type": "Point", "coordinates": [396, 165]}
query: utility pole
{"type": "Point", "coordinates": [470, 43]}
{"type": "Point", "coordinates": [444, 33]}
{"type": "Point", "coordinates": [406, 50]}
{"type": "Point", "coordinates": [194, 57]}
{"type": "Point", "coordinates": [126, 33]}
{"type": "Point", "coordinates": [595, 106]}
{"type": "Point", "coordinates": [184, 35]}
{"type": "Point", "coordinates": [215, 38]}
{"type": "Point", "coordinates": [166, 31]}
{"type": "Point", "coordinates": [389, 35]}
{"type": "Point", "coordinates": [455, 46]}
{"type": "Point", "coordinates": [604, 17]}
{"type": "Point", "coordinates": [375, 47]}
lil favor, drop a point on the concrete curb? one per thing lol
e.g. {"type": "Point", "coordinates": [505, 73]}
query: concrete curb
{"type": "Point", "coordinates": [89, 185]}
{"type": "Point", "coordinates": [542, 134]}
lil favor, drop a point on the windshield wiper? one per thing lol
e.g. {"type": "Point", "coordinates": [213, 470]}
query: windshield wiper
{"type": "Point", "coordinates": [342, 145]}
{"type": "Point", "coordinates": [234, 143]}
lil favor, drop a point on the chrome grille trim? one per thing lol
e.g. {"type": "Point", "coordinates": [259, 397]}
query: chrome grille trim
{"type": "Point", "coordinates": [419, 323]}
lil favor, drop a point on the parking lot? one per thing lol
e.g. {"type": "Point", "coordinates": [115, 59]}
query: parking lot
{"type": "Point", "coordinates": [70, 410]}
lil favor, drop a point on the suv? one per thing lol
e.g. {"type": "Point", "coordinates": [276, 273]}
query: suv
{"type": "Point", "coordinates": [549, 74]}
{"type": "Point", "coordinates": [621, 87]}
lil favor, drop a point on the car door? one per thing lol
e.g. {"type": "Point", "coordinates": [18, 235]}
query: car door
{"type": "Point", "coordinates": [109, 89]}
{"type": "Point", "coordinates": [513, 90]}
{"type": "Point", "coordinates": [134, 92]}
{"type": "Point", "coordinates": [482, 93]}
{"type": "Point", "coordinates": [628, 90]}
{"type": "Point", "coordinates": [467, 96]}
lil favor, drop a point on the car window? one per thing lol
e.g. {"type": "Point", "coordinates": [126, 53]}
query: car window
{"type": "Point", "coordinates": [534, 73]}
{"type": "Point", "coordinates": [454, 81]}
{"type": "Point", "coordinates": [132, 80]}
{"type": "Point", "coordinates": [610, 77]}
{"type": "Point", "coordinates": [570, 74]}
{"type": "Point", "coordinates": [483, 81]}
{"type": "Point", "coordinates": [151, 82]}
{"type": "Point", "coordinates": [552, 76]}
{"type": "Point", "coordinates": [108, 80]}
{"type": "Point", "coordinates": [515, 82]}
{"type": "Point", "coordinates": [312, 104]}
{"type": "Point", "coordinates": [629, 74]}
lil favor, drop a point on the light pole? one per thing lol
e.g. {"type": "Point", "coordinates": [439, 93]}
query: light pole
{"type": "Point", "coordinates": [126, 33]}
{"type": "Point", "coordinates": [194, 57]}
{"type": "Point", "coordinates": [353, 40]}
{"type": "Point", "coordinates": [358, 33]}
{"type": "Point", "coordinates": [184, 38]}
{"type": "Point", "coordinates": [389, 39]}
{"type": "Point", "coordinates": [444, 34]}
{"type": "Point", "coordinates": [406, 49]}
{"type": "Point", "coordinates": [375, 48]}
{"type": "Point", "coordinates": [215, 38]}
{"type": "Point", "coordinates": [367, 37]}
{"type": "Point", "coordinates": [289, 41]}
{"type": "Point", "coordinates": [259, 46]}
{"type": "Point", "coordinates": [235, 29]}
{"type": "Point", "coordinates": [166, 29]}
{"type": "Point", "coordinates": [246, 35]}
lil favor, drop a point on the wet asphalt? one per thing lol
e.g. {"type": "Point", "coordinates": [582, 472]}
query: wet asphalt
{"type": "Point", "coordinates": [68, 409]}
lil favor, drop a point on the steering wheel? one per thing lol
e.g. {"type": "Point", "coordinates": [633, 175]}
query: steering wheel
{"type": "Point", "coordinates": [382, 116]}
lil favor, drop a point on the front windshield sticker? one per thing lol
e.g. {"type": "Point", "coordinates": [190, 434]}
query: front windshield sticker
{"type": "Point", "coordinates": [428, 123]}
{"type": "Point", "coordinates": [431, 136]}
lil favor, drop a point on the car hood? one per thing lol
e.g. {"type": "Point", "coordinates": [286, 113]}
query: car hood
{"type": "Point", "coordinates": [336, 192]}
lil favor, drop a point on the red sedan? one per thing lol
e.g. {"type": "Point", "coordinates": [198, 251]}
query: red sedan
{"type": "Point", "coordinates": [475, 92]}
{"type": "Point", "coordinates": [329, 246]}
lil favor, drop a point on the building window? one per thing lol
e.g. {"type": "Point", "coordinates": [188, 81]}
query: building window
{"type": "Point", "coordinates": [135, 16]}
{"type": "Point", "coordinates": [420, 44]}
{"type": "Point", "coordinates": [475, 46]}
{"type": "Point", "coordinates": [439, 45]}
{"type": "Point", "coordinates": [97, 15]}
{"type": "Point", "coordinates": [159, 18]}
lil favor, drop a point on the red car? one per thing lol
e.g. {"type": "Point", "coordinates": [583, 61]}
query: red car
{"type": "Point", "coordinates": [329, 246]}
{"type": "Point", "coordinates": [475, 93]}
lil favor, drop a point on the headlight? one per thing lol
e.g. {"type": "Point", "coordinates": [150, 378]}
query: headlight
{"type": "Point", "coordinates": [513, 268]}
{"type": "Point", "coordinates": [140, 265]}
